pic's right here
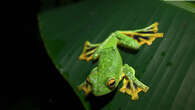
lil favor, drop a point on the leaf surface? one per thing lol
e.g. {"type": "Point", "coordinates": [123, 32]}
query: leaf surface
{"type": "Point", "coordinates": [167, 66]}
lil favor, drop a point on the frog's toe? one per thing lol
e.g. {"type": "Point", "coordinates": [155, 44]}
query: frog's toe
{"type": "Point", "coordinates": [124, 88]}
{"type": "Point", "coordinates": [85, 57]}
{"type": "Point", "coordinates": [145, 89]}
{"type": "Point", "coordinates": [134, 94]}
{"type": "Point", "coordinates": [135, 97]}
{"type": "Point", "coordinates": [86, 88]}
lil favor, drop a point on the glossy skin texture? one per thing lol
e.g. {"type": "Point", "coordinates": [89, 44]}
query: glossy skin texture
{"type": "Point", "coordinates": [104, 78]}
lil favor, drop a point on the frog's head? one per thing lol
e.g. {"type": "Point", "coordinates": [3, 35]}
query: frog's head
{"type": "Point", "coordinates": [103, 86]}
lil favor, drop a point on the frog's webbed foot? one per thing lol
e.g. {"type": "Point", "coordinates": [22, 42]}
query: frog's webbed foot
{"type": "Point", "coordinates": [131, 85]}
{"type": "Point", "coordinates": [86, 87]}
{"type": "Point", "coordinates": [131, 88]}
{"type": "Point", "coordinates": [146, 35]}
{"type": "Point", "coordinates": [88, 51]}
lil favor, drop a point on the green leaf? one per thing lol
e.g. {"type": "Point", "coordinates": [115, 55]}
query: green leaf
{"type": "Point", "coordinates": [167, 66]}
{"type": "Point", "coordinates": [189, 6]}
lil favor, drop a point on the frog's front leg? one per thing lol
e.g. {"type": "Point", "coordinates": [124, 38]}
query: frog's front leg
{"type": "Point", "coordinates": [89, 51]}
{"type": "Point", "coordinates": [86, 87]}
{"type": "Point", "coordinates": [131, 85]}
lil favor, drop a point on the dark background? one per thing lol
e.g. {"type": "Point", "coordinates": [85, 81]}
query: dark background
{"type": "Point", "coordinates": [37, 82]}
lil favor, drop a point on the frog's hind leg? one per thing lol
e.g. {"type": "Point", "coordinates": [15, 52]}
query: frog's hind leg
{"type": "Point", "coordinates": [88, 51]}
{"type": "Point", "coordinates": [131, 85]}
{"type": "Point", "coordinates": [146, 35]}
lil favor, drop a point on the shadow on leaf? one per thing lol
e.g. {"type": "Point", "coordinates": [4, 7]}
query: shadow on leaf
{"type": "Point", "coordinates": [98, 102]}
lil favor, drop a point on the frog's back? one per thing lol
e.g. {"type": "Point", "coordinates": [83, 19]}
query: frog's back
{"type": "Point", "coordinates": [110, 63]}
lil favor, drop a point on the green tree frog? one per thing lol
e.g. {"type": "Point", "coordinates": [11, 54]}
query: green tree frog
{"type": "Point", "coordinates": [110, 70]}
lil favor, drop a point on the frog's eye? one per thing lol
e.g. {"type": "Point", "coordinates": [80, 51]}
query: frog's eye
{"type": "Point", "coordinates": [111, 83]}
